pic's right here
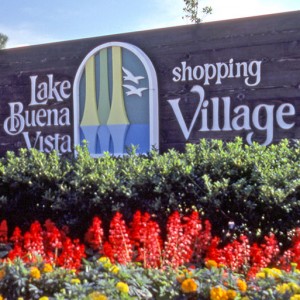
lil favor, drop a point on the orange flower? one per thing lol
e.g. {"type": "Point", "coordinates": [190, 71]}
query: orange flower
{"type": "Point", "coordinates": [231, 294]}
{"type": "Point", "coordinates": [47, 268]}
{"type": "Point", "coordinates": [189, 286]}
{"type": "Point", "coordinates": [2, 274]}
{"type": "Point", "coordinates": [211, 264]}
{"type": "Point", "coordinates": [217, 293]}
{"type": "Point", "coordinates": [183, 274]}
{"type": "Point", "coordinates": [242, 285]}
{"type": "Point", "coordinates": [35, 273]}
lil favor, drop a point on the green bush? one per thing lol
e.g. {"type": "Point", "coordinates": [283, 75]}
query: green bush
{"type": "Point", "coordinates": [253, 188]}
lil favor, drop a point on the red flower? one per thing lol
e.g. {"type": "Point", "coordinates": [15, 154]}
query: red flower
{"type": "Point", "coordinates": [121, 249]}
{"type": "Point", "coordinates": [94, 235]}
{"type": "Point", "coordinates": [145, 237]}
{"type": "Point", "coordinates": [71, 255]}
{"type": "Point", "coordinates": [17, 240]}
{"type": "Point", "coordinates": [17, 237]}
{"type": "Point", "coordinates": [178, 245]}
{"type": "Point", "coordinates": [3, 232]}
{"type": "Point", "coordinates": [52, 237]}
{"type": "Point", "coordinates": [33, 242]}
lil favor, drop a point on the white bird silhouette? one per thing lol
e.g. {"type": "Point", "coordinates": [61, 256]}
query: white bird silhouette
{"type": "Point", "coordinates": [132, 90]}
{"type": "Point", "coordinates": [129, 76]}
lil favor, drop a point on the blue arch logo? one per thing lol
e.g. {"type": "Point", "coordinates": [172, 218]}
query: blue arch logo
{"type": "Point", "coordinates": [116, 100]}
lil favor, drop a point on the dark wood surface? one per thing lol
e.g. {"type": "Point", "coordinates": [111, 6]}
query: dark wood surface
{"type": "Point", "coordinates": [272, 39]}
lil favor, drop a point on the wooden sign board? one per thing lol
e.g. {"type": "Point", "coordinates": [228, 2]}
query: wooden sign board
{"type": "Point", "coordinates": [161, 88]}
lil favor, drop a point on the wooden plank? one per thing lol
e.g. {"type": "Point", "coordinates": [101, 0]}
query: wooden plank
{"type": "Point", "coordinates": [273, 40]}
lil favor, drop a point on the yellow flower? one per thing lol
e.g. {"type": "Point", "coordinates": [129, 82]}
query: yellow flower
{"type": "Point", "coordinates": [97, 296]}
{"type": "Point", "coordinates": [295, 288]}
{"type": "Point", "coordinates": [114, 269]}
{"type": "Point", "coordinates": [295, 297]}
{"type": "Point", "coordinates": [211, 264]}
{"type": "Point", "coordinates": [104, 259]}
{"type": "Point", "coordinates": [294, 265]}
{"type": "Point", "coordinates": [47, 268]}
{"type": "Point", "coordinates": [107, 266]}
{"type": "Point", "coordinates": [274, 272]}
{"type": "Point", "coordinates": [189, 285]}
{"type": "Point", "coordinates": [122, 287]}
{"type": "Point", "coordinates": [75, 281]}
{"type": "Point", "coordinates": [231, 294]}
{"type": "Point", "coordinates": [217, 293]}
{"type": "Point", "coordinates": [44, 298]}
{"type": "Point", "coordinates": [283, 288]}
{"type": "Point", "coordinates": [35, 273]}
{"type": "Point", "coordinates": [242, 285]}
{"type": "Point", "coordinates": [1, 298]}
{"type": "Point", "coordinates": [2, 274]}
{"type": "Point", "coordinates": [260, 275]}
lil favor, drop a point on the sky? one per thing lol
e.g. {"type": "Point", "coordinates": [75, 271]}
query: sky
{"type": "Point", "coordinates": [44, 21]}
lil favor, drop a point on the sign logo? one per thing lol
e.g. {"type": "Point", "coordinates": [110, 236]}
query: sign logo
{"type": "Point", "coordinates": [116, 100]}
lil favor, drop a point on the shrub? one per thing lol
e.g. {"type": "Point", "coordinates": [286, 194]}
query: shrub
{"type": "Point", "coordinates": [239, 188]}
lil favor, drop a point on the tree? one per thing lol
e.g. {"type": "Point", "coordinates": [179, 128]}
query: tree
{"type": "Point", "coordinates": [3, 40]}
{"type": "Point", "coordinates": [191, 11]}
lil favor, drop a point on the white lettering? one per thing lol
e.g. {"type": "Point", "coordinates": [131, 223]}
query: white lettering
{"type": "Point", "coordinates": [48, 143]}
{"type": "Point", "coordinates": [242, 120]}
{"type": "Point", "coordinates": [176, 72]}
{"type": "Point", "coordinates": [290, 111]}
{"type": "Point", "coordinates": [175, 106]}
{"type": "Point", "coordinates": [216, 73]}
{"type": "Point", "coordinates": [48, 90]}
{"type": "Point", "coordinates": [14, 124]}
{"type": "Point", "coordinates": [65, 86]}
{"type": "Point", "coordinates": [262, 117]}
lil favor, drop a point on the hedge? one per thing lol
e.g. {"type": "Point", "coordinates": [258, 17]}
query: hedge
{"type": "Point", "coordinates": [239, 188]}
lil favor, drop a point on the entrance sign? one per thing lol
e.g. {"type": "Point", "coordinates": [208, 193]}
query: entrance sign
{"type": "Point", "coordinates": [159, 88]}
{"type": "Point", "coordinates": [113, 107]}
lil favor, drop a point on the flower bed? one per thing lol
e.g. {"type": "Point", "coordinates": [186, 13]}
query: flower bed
{"type": "Point", "coordinates": [138, 261]}
{"type": "Point", "coordinates": [103, 280]}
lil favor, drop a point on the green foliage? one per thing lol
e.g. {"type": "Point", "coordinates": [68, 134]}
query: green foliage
{"type": "Point", "coordinates": [3, 40]}
{"type": "Point", "coordinates": [256, 187]}
{"type": "Point", "coordinates": [191, 11]}
{"type": "Point", "coordinates": [32, 183]}
{"type": "Point", "coordinates": [99, 280]}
